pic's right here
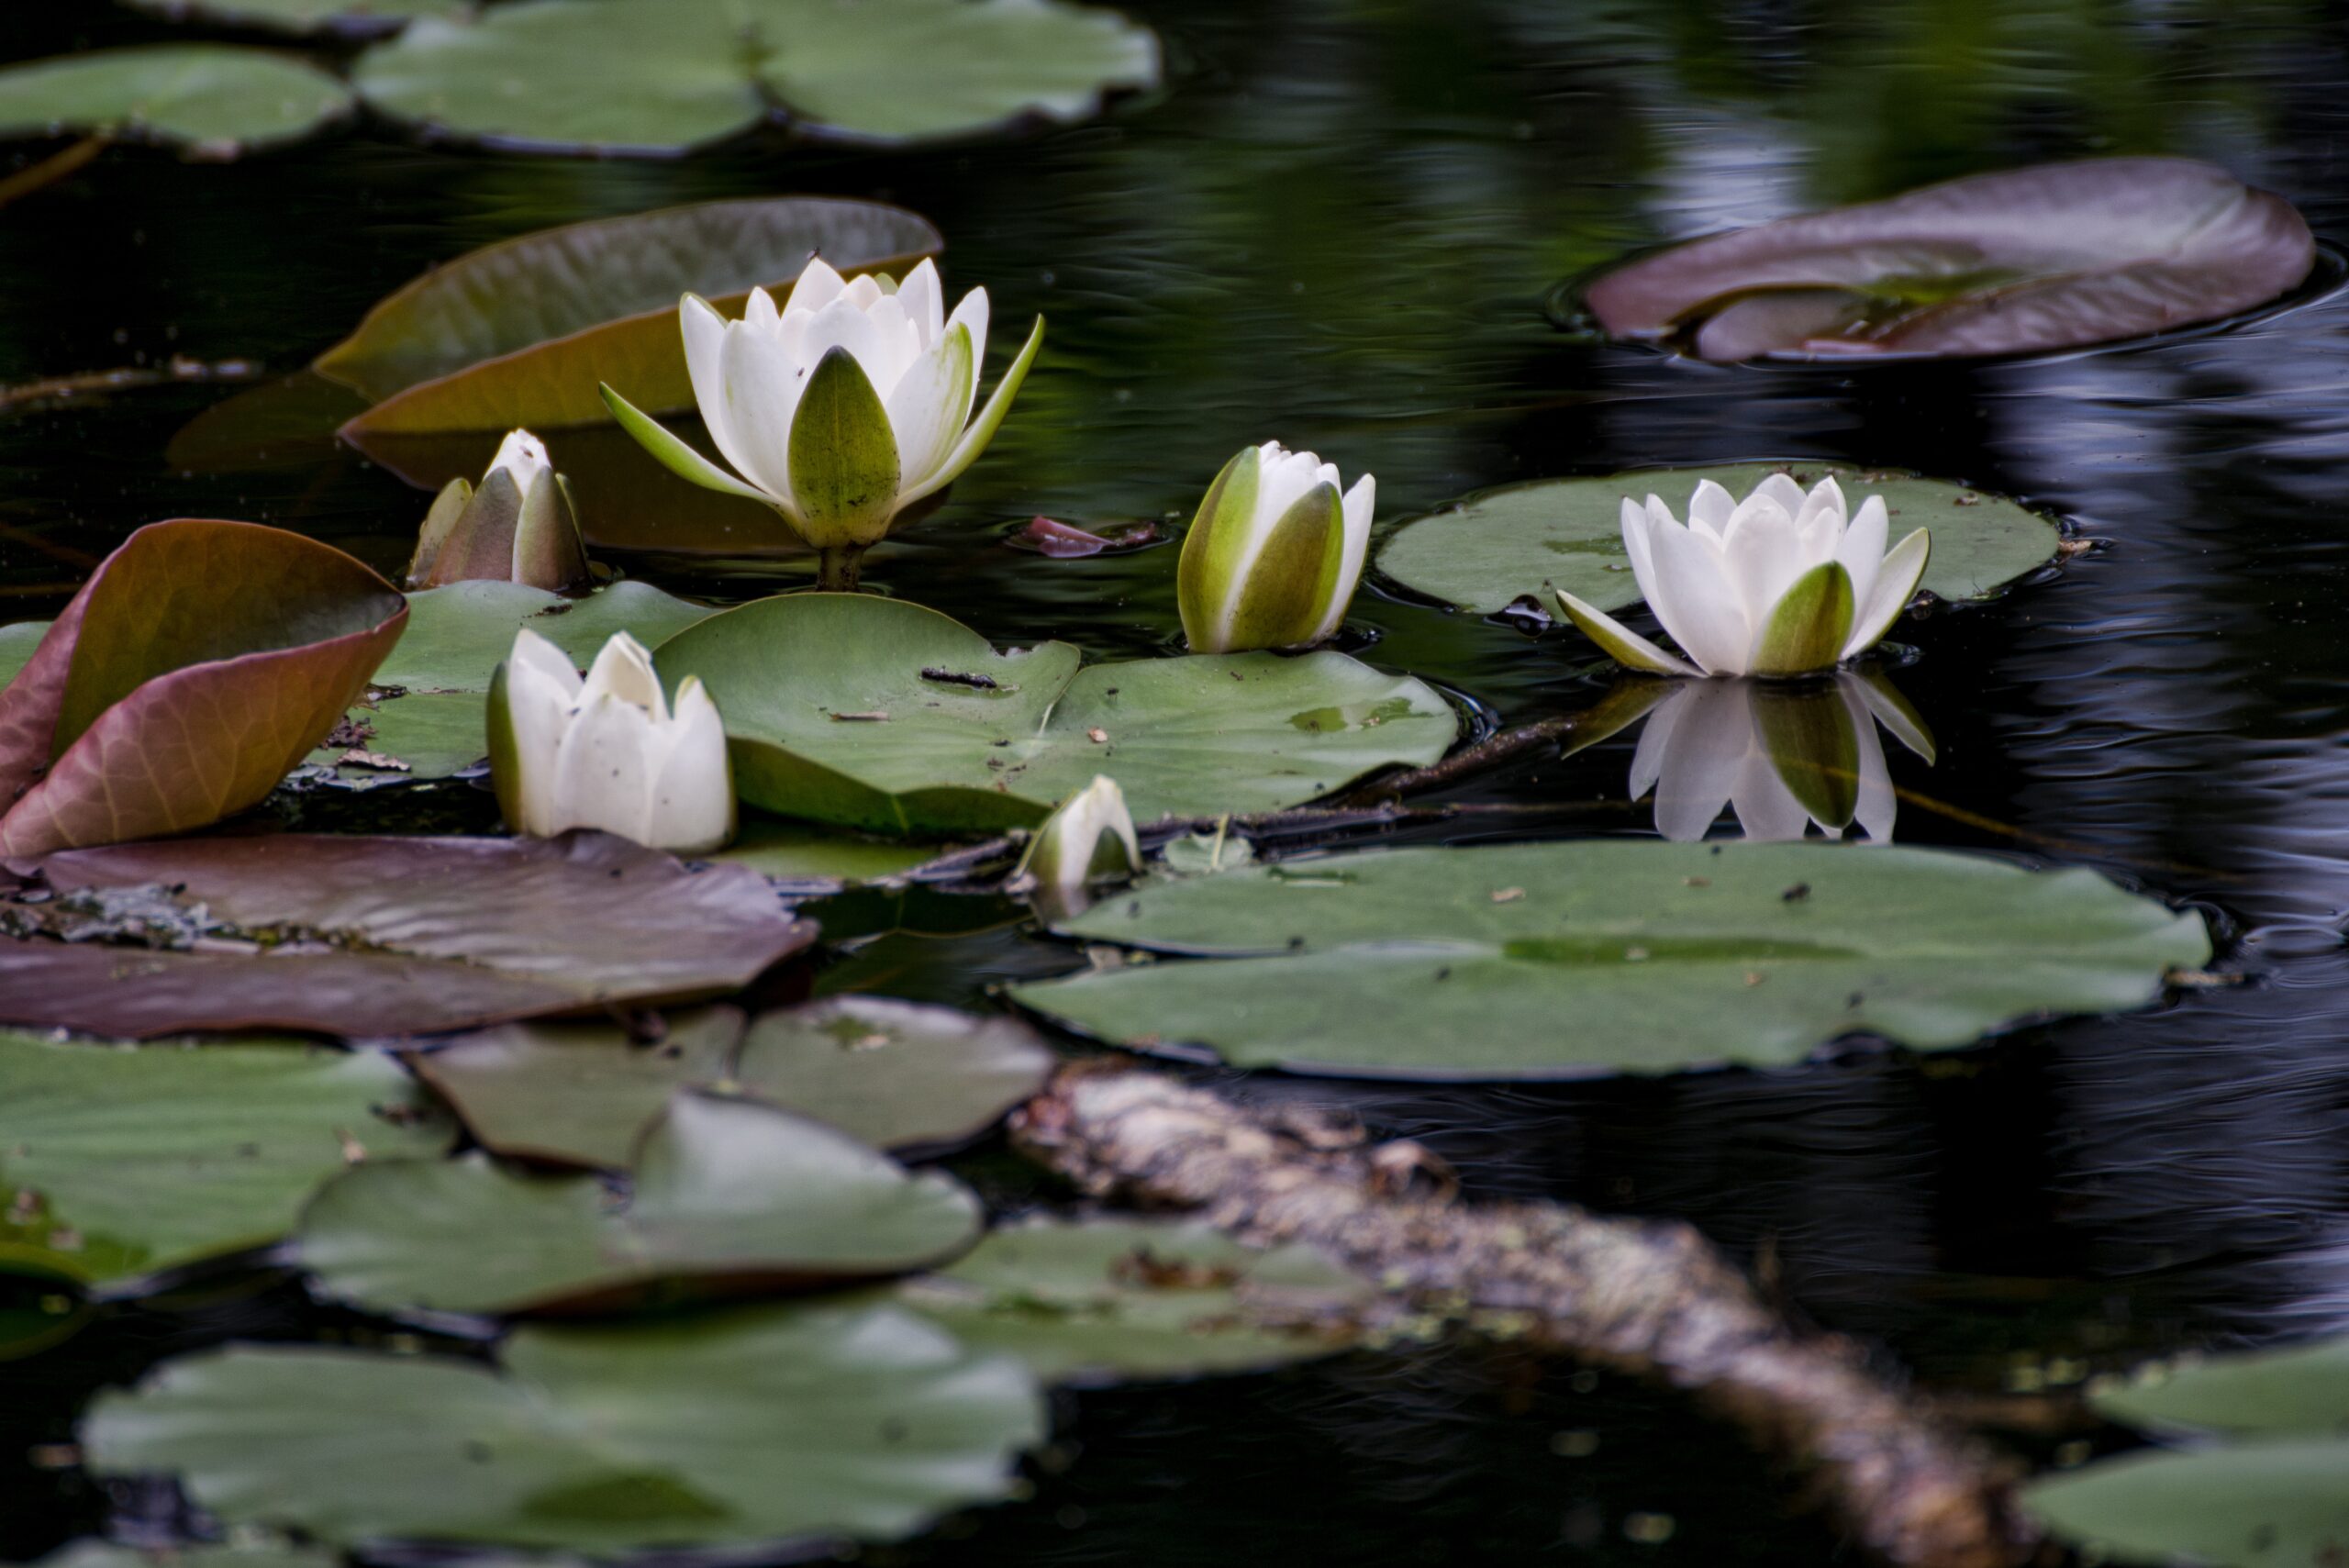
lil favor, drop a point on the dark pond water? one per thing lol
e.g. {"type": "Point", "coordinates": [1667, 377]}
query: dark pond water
{"type": "Point", "coordinates": [1343, 224]}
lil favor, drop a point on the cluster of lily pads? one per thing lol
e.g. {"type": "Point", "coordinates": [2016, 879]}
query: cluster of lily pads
{"type": "Point", "coordinates": [588, 1009]}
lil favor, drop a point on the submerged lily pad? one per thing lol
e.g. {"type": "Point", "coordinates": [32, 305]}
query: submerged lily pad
{"type": "Point", "coordinates": [650, 76]}
{"type": "Point", "coordinates": [897, 1074]}
{"type": "Point", "coordinates": [347, 16]}
{"type": "Point", "coordinates": [214, 99]}
{"type": "Point", "coordinates": [117, 1163]}
{"type": "Point", "coordinates": [1109, 1300]}
{"type": "Point", "coordinates": [190, 674]}
{"type": "Point", "coordinates": [391, 936]}
{"type": "Point", "coordinates": [1540, 960]}
{"type": "Point", "coordinates": [520, 332]}
{"type": "Point", "coordinates": [792, 1421]}
{"type": "Point", "coordinates": [2032, 259]}
{"type": "Point", "coordinates": [729, 1197]}
{"type": "Point", "coordinates": [1551, 534]}
{"type": "Point", "coordinates": [2267, 1486]}
{"type": "Point", "coordinates": [455, 640]}
{"type": "Point", "coordinates": [94, 1554]}
{"type": "Point", "coordinates": [901, 720]}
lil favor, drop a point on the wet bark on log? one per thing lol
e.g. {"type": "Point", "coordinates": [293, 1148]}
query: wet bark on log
{"type": "Point", "coordinates": [1648, 1297]}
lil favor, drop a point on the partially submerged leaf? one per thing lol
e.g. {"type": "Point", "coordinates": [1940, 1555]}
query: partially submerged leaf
{"type": "Point", "coordinates": [1109, 1300]}
{"type": "Point", "coordinates": [653, 76]}
{"type": "Point", "coordinates": [897, 1074]}
{"type": "Point", "coordinates": [728, 1195]}
{"type": "Point", "coordinates": [1551, 534]}
{"type": "Point", "coordinates": [216, 99]}
{"type": "Point", "coordinates": [116, 1164]}
{"type": "Point", "coordinates": [518, 333]}
{"type": "Point", "coordinates": [794, 1421]}
{"type": "Point", "coordinates": [1543, 960]}
{"type": "Point", "coordinates": [2050, 257]}
{"type": "Point", "coordinates": [190, 673]}
{"type": "Point", "coordinates": [396, 936]}
{"type": "Point", "coordinates": [900, 720]}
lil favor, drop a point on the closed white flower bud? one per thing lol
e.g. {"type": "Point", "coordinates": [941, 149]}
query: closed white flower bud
{"type": "Point", "coordinates": [518, 527]}
{"type": "Point", "coordinates": [1274, 556]}
{"type": "Point", "coordinates": [1089, 837]}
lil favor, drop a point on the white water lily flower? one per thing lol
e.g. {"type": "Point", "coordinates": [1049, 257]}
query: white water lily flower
{"type": "Point", "coordinates": [845, 410]}
{"type": "Point", "coordinates": [1782, 757]}
{"type": "Point", "coordinates": [518, 527]}
{"type": "Point", "coordinates": [607, 752]}
{"type": "Point", "coordinates": [1274, 556]}
{"type": "Point", "coordinates": [1089, 837]}
{"type": "Point", "coordinates": [1779, 584]}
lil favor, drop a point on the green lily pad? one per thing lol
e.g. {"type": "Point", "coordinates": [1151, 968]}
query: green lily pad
{"type": "Point", "coordinates": [18, 642]}
{"type": "Point", "coordinates": [650, 76]}
{"type": "Point", "coordinates": [216, 99]}
{"type": "Point", "coordinates": [2268, 1487]}
{"type": "Point", "coordinates": [797, 855]}
{"type": "Point", "coordinates": [794, 1421]}
{"type": "Point", "coordinates": [520, 332]}
{"type": "Point", "coordinates": [120, 1162]}
{"type": "Point", "coordinates": [729, 1196]}
{"type": "Point", "coordinates": [1114, 1300]}
{"type": "Point", "coordinates": [1542, 959]}
{"type": "Point", "coordinates": [897, 1074]}
{"type": "Point", "coordinates": [345, 17]}
{"type": "Point", "coordinates": [433, 687]}
{"type": "Point", "coordinates": [900, 720]}
{"type": "Point", "coordinates": [1529, 539]}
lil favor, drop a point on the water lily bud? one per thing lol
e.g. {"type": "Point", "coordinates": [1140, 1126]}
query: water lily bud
{"type": "Point", "coordinates": [1089, 837]}
{"type": "Point", "coordinates": [608, 752]}
{"type": "Point", "coordinates": [848, 411]}
{"type": "Point", "coordinates": [1273, 558]}
{"type": "Point", "coordinates": [518, 527]}
{"type": "Point", "coordinates": [1779, 584]}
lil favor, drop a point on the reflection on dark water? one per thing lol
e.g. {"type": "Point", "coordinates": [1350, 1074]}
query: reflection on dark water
{"type": "Point", "coordinates": [1340, 229]}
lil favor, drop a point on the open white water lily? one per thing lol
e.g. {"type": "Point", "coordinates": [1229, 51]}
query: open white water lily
{"type": "Point", "coordinates": [608, 752]}
{"type": "Point", "coordinates": [1783, 758]}
{"type": "Point", "coordinates": [1274, 556]}
{"type": "Point", "coordinates": [1088, 839]}
{"type": "Point", "coordinates": [848, 411]}
{"type": "Point", "coordinates": [1779, 584]}
{"type": "Point", "coordinates": [518, 526]}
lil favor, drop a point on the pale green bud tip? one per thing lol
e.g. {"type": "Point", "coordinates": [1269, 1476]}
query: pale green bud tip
{"type": "Point", "coordinates": [1088, 839]}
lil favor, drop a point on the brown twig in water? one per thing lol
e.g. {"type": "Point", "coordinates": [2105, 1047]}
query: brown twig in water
{"type": "Point", "coordinates": [83, 384]}
{"type": "Point", "coordinates": [1493, 749]}
{"type": "Point", "coordinates": [50, 170]}
{"type": "Point", "coordinates": [1650, 1296]}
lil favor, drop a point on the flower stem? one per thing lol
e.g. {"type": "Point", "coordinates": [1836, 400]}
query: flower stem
{"type": "Point", "coordinates": [838, 566]}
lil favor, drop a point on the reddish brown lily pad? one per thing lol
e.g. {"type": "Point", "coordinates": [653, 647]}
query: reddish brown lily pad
{"type": "Point", "coordinates": [396, 936]}
{"type": "Point", "coordinates": [2028, 260]}
{"type": "Point", "coordinates": [195, 668]}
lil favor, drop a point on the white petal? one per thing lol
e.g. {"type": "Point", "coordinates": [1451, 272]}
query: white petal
{"type": "Point", "coordinates": [841, 324]}
{"type": "Point", "coordinates": [1878, 805]}
{"type": "Point", "coordinates": [624, 669]}
{"type": "Point", "coordinates": [1282, 484]}
{"type": "Point", "coordinates": [1709, 507]}
{"type": "Point", "coordinates": [1764, 556]}
{"type": "Point", "coordinates": [1861, 550]}
{"type": "Point", "coordinates": [1782, 489]}
{"type": "Point", "coordinates": [536, 654]}
{"type": "Point", "coordinates": [972, 313]}
{"type": "Point", "coordinates": [541, 688]}
{"type": "Point", "coordinates": [925, 301]}
{"type": "Point", "coordinates": [705, 333]}
{"type": "Point", "coordinates": [1826, 496]}
{"type": "Point", "coordinates": [1695, 602]}
{"type": "Point", "coordinates": [1902, 569]}
{"type": "Point", "coordinates": [601, 771]}
{"type": "Point", "coordinates": [1635, 543]}
{"type": "Point", "coordinates": [865, 292]}
{"type": "Point", "coordinates": [1655, 747]}
{"type": "Point", "coordinates": [692, 806]}
{"type": "Point", "coordinates": [897, 345]}
{"type": "Point", "coordinates": [819, 285]}
{"type": "Point", "coordinates": [1767, 810]}
{"type": "Point", "coordinates": [760, 314]}
{"type": "Point", "coordinates": [761, 384]}
{"type": "Point", "coordinates": [1357, 507]}
{"type": "Point", "coordinates": [929, 407]}
{"type": "Point", "coordinates": [524, 456]}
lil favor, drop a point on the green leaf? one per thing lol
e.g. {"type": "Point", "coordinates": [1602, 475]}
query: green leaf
{"type": "Point", "coordinates": [1567, 534]}
{"type": "Point", "coordinates": [796, 1421]}
{"type": "Point", "coordinates": [520, 332]}
{"type": "Point", "coordinates": [1533, 960]}
{"type": "Point", "coordinates": [671, 451]}
{"type": "Point", "coordinates": [190, 673]}
{"type": "Point", "coordinates": [730, 1196]}
{"type": "Point", "coordinates": [1113, 1300]}
{"type": "Point", "coordinates": [650, 76]}
{"type": "Point", "coordinates": [391, 936]}
{"type": "Point", "coordinates": [117, 1162]}
{"type": "Point", "coordinates": [1807, 627]}
{"type": "Point", "coordinates": [977, 740]}
{"type": "Point", "coordinates": [798, 856]}
{"type": "Point", "coordinates": [896, 1074]}
{"type": "Point", "coordinates": [843, 456]}
{"type": "Point", "coordinates": [216, 99]}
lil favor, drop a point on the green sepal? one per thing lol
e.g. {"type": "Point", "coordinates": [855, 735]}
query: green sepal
{"type": "Point", "coordinates": [505, 757]}
{"type": "Point", "coordinates": [674, 454]}
{"type": "Point", "coordinates": [1290, 583]}
{"type": "Point", "coordinates": [440, 525]}
{"type": "Point", "coordinates": [1211, 552]}
{"type": "Point", "coordinates": [843, 456]}
{"type": "Point", "coordinates": [1620, 642]}
{"type": "Point", "coordinates": [548, 551]}
{"type": "Point", "coordinates": [1807, 628]}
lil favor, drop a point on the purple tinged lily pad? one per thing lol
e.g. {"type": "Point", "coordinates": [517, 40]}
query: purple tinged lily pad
{"type": "Point", "coordinates": [2030, 260]}
{"type": "Point", "coordinates": [396, 936]}
{"type": "Point", "coordinates": [195, 668]}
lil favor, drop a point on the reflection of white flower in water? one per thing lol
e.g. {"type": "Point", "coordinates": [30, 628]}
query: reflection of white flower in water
{"type": "Point", "coordinates": [1781, 757]}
